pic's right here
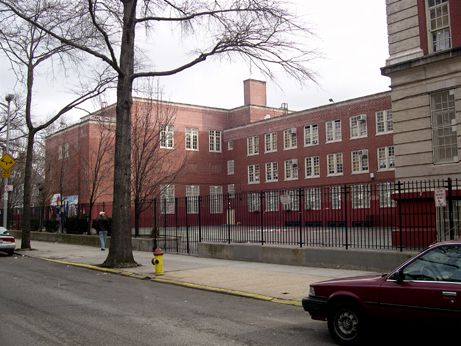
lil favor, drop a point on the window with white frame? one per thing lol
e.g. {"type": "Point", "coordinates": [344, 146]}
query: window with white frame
{"type": "Point", "coordinates": [444, 131]}
{"type": "Point", "coordinates": [215, 141]}
{"type": "Point", "coordinates": [360, 196]}
{"type": "Point", "coordinates": [60, 152]}
{"type": "Point", "coordinates": [312, 165]}
{"type": "Point", "coordinates": [385, 191]}
{"type": "Point", "coordinates": [313, 199]}
{"type": "Point", "coordinates": [66, 150]}
{"type": "Point", "coordinates": [167, 199]}
{"type": "Point", "coordinates": [335, 164]}
{"type": "Point", "coordinates": [359, 161]}
{"type": "Point", "coordinates": [230, 145]}
{"type": "Point", "coordinates": [358, 126]}
{"type": "Point", "coordinates": [191, 138]}
{"type": "Point", "coordinates": [231, 190]}
{"type": "Point", "coordinates": [192, 194]}
{"type": "Point", "coordinates": [386, 158]}
{"type": "Point", "coordinates": [253, 174]}
{"type": "Point", "coordinates": [254, 203]}
{"type": "Point", "coordinates": [230, 167]}
{"type": "Point", "coordinates": [270, 142]}
{"type": "Point", "coordinates": [272, 171]}
{"type": "Point", "coordinates": [438, 13]}
{"type": "Point", "coordinates": [311, 135]}
{"type": "Point", "coordinates": [293, 198]}
{"type": "Point", "coordinates": [335, 197]}
{"type": "Point", "coordinates": [253, 145]}
{"type": "Point", "coordinates": [289, 138]}
{"type": "Point", "coordinates": [333, 131]}
{"type": "Point", "coordinates": [291, 169]}
{"type": "Point", "coordinates": [216, 201]}
{"type": "Point", "coordinates": [272, 200]}
{"type": "Point", "coordinates": [384, 123]}
{"type": "Point", "coordinates": [166, 137]}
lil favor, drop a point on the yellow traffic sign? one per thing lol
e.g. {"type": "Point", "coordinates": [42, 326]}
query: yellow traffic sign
{"type": "Point", "coordinates": [6, 162]}
{"type": "Point", "coordinates": [5, 173]}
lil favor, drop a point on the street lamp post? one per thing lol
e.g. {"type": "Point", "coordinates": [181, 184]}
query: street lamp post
{"type": "Point", "coordinates": [8, 99]}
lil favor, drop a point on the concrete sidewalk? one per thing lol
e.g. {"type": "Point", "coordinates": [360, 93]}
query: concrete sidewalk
{"type": "Point", "coordinates": [280, 283]}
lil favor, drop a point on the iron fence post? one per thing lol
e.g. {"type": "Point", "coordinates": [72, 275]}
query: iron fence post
{"type": "Point", "coordinates": [450, 209]}
{"type": "Point", "coordinates": [228, 217]}
{"type": "Point", "coordinates": [346, 206]}
{"type": "Point", "coordinates": [300, 204]}
{"type": "Point", "coordinates": [262, 216]}
{"type": "Point", "coordinates": [187, 225]}
{"type": "Point", "coordinates": [199, 219]}
{"type": "Point", "coordinates": [400, 216]}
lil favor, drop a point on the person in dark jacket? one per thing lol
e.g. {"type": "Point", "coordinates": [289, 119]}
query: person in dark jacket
{"type": "Point", "coordinates": [103, 227]}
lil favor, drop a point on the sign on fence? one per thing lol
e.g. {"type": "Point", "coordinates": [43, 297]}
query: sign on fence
{"type": "Point", "coordinates": [440, 198]}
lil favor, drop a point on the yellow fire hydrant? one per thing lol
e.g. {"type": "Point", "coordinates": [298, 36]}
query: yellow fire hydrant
{"type": "Point", "coordinates": [157, 261]}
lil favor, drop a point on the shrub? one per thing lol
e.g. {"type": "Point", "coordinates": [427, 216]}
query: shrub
{"type": "Point", "coordinates": [76, 225]}
{"type": "Point", "coordinates": [34, 225]}
{"type": "Point", "coordinates": [51, 225]}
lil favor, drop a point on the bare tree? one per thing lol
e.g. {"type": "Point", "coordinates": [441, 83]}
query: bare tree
{"type": "Point", "coordinates": [28, 47]}
{"type": "Point", "coordinates": [155, 157]}
{"type": "Point", "coordinates": [97, 168]}
{"type": "Point", "coordinates": [262, 32]}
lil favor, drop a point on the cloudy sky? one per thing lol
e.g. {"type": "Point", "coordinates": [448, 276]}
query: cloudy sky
{"type": "Point", "coordinates": [353, 40]}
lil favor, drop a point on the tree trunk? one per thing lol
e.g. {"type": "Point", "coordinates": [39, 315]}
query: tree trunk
{"type": "Point", "coordinates": [137, 207]}
{"type": "Point", "coordinates": [120, 250]}
{"type": "Point", "coordinates": [25, 225]}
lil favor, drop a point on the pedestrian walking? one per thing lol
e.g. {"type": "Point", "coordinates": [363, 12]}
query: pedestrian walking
{"type": "Point", "coordinates": [103, 226]}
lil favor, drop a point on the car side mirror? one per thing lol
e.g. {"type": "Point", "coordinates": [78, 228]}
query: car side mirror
{"type": "Point", "coordinates": [400, 275]}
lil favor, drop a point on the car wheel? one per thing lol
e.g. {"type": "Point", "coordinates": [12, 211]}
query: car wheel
{"type": "Point", "coordinates": [346, 323]}
{"type": "Point", "coordinates": [10, 252]}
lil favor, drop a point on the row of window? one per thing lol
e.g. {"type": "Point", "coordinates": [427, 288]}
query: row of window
{"type": "Point", "coordinates": [358, 129]}
{"type": "Point", "coordinates": [359, 162]}
{"type": "Point", "coordinates": [438, 18]}
{"type": "Point", "coordinates": [313, 197]}
{"type": "Point", "coordinates": [63, 151]}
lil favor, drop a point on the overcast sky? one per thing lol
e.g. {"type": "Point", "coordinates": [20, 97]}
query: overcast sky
{"type": "Point", "coordinates": [353, 40]}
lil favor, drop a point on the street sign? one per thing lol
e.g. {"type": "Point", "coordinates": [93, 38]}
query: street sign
{"type": "Point", "coordinates": [6, 162]}
{"type": "Point", "coordinates": [6, 173]}
{"type": "Point", "coordinates": [440, 198]}
{"type": "Point", "coordinates": [8, 188]}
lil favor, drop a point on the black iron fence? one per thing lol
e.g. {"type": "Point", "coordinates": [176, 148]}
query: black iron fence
{"type": "Point", "coordinates": [408, 215]}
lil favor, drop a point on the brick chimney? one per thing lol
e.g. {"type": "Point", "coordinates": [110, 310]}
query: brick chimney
{"type": "Point", "coordinates": [254, 92]}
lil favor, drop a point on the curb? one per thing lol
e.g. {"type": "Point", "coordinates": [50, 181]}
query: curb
{"type": "Point", "coordinates": [181, 283]}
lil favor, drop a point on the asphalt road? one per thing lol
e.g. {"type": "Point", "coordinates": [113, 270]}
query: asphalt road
{"type": "Point", "coordinates": [45, 303]}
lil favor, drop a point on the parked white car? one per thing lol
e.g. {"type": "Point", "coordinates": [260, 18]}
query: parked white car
{"type": "Point", "coordinates": [7, 242]}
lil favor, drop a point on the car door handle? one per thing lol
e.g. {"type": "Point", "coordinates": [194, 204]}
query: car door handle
{"type": "Point", "coordinates": [449, 294]}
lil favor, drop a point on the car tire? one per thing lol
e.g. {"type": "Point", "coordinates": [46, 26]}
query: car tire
{"type": "Point", "coordinates": [346, 323]}
{"type": "Point", "coordinates": [10, 252]}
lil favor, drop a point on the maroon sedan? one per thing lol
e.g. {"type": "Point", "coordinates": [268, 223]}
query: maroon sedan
{"type": "Point", "coordinates": [426, 288]}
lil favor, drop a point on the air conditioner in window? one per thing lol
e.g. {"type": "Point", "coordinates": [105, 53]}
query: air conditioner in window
{"type": "Point", "coordinates": [314, 141]}
{"type": "Point", "coordinates": [361, 117]}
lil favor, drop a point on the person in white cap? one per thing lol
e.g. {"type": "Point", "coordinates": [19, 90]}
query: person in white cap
{"type": "Point", "coordinates": [103, 226]}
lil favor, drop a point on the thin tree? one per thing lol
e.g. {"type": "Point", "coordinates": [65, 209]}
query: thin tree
{"type": "Point", "coordinates": [27, 48]}
{"type": "Point", "coordinates": [98, 167]}
{"type": "Point", "coordinates": [261, 32]}
{"type": "Point", "coordinates": [155, 157]}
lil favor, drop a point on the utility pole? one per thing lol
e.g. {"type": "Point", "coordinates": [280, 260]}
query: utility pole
{"type": "Point", "coordinates": [8, 99]}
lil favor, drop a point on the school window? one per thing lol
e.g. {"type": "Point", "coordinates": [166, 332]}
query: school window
{"type": "Point", "coordinates": [313, 198]}
{"type": "Point", "coordinates": [270, 141]}
{"type": "Point", "coordinates": [215, 141]}
{"type": "Point", "coordinates": [293, 200]}
{"type": "Point", "coordinates": [312, 165]}
{"type": "Point", "coordinates": [291, 169]}
{"type": "Point", "coordinates": [358, 126]}
{"type": "Point", "coordinates": [167, 199]}
{"type": "Point", "coordinates": [386, 158]}
{"type": "Point", "coordinates": [60, 152]}
{"type": "Point", "coordinates": [333, 131]}
{"type": "Point", "coordinates": [385, 192]}
{"type": "Point", "coordinates": [360, 196]}
{"type": "Point", "coordinates": [272, 171]}
{"type": "Point", "coordinates": [290, 139]}
{"type": "Point", "coordinates": [438, 13]}
{"type": "Point", "coordinates": [444, 132]}
{"type": "Point", "coordinates": [253, 174]}
{"type": "Point", "coordinates": [216, 202]}
{"type": "Point", "coordinates": [335, 197]}
{"type": "Point", "coordinates": [384, 122]}
{"type": "Point", "coordinates": [191, 138]}
{"type": "Point", "coordinates": [272, 200]}
{"type": "Point", "coordinates": [311, 135]}
{"type": "Point", "coordinates": [231, 190]}
{"type": "Point", "coordinates": [253, 145]}
{"type": "Point", "coordinates": [230, 167]}
{"type": "Point", "coordinates": [166, 137]}
{"type": "Point", "coordinates": [360, 161]}
{"type": "Point", "coordinates": [230, 145]}
{"type": "Point", "coordinates": [254, 203]}
{"type": "Point", "coordinates": [335, 164]}
{"type": "Point", "coordinates": [66, 150]}
{"type": "Point", "coordinates": [192, 195]}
